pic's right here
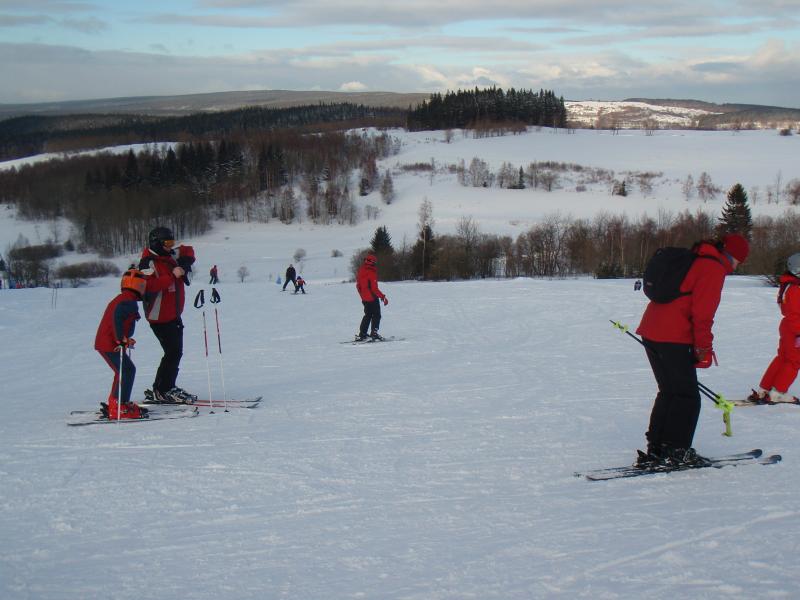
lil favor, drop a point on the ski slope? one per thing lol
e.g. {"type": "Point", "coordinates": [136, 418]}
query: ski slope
{"type": "Point", "coordinates": [439, 467]}
{"type": "Point", "coordinates": [436, 467]}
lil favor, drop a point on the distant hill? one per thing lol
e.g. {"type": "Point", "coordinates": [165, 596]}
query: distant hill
{"type": "Point", "coordinates": [213, 102]}
{"type": "Point", "coordinates": [640, 113]}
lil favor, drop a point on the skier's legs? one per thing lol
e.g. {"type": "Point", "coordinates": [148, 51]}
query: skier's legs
{"type": "Point", "coordinates": [128, 375]}
{"type": "Point", "coordinates": [362, 329]}
{"type": "Point", "coordinates": [170, 336]}
{"type": "Point", "coordinates": [676, 410]}
{"type": "Point", "coordinates": [376, 315]}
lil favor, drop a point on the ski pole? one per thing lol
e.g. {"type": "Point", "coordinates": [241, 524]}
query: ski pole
{"type": "Point", "coordinates": [119, 387]}
{"type": "Point", "coordinates": [199, 302]}
{"type": "Point", "coordinates": [726, 406]}
{"type": "Point", "coordinates": [215, 299]}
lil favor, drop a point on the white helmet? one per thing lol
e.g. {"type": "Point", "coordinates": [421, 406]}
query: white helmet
{"type": "Point", "coordinates": [793, 264]}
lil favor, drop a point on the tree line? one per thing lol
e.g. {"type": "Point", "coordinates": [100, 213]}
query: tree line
{"type": "Point", "coordinates": [472, 108]}
{"type": "Point", "coordinates": [605, 246]}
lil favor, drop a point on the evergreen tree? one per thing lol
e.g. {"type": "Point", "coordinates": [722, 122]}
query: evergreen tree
{"type": "Point", "coordinates": [382, 242]}
{"type": "Point", "coordinates": [736, 217]}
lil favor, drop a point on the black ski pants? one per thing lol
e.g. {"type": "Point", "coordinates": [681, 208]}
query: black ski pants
{"type": "Point", "coordinates": [372, 314]}
{"type": "Point", "coordinates": [676, 410]}
{"type": "Point", "coordinates": [170, 336]}
{"type": "Point", "coordinates": [288, 279]}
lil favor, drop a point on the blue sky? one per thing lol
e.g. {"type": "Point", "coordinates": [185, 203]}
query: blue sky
{"type": "Point", "coordinates": [716, 50]}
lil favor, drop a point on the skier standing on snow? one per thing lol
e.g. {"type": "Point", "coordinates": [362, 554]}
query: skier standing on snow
{"type": "Point", "coordinates": [678, 339]}
{"type": "Point", "coordinates": [299, 283]}
{"type": "Point", "coordinates": [371, 297]}
{"type": "Point", "coordinates": [782, 371]}
{"type": "Point", "coordinates": [168, 269]}
{"type": "Point", "coordinates": [291, 275]}
{"type": "Point", "coordinates": [213, 273]}
{"type": "Point", "coordinates": [115, 333]}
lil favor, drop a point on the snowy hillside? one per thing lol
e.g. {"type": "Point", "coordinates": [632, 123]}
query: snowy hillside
{"type": "Point", "coordinates": [439, 466]}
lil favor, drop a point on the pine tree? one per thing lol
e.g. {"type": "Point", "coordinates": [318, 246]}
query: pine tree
{"type": "Point", "coordinates": [736, 217]}
{"type": "Point", "coordinates": [382, 242]}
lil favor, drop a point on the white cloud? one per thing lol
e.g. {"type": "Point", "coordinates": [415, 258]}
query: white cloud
{"type": "Point", "coordinates": [353, 86]}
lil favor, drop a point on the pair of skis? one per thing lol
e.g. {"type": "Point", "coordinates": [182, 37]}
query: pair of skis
{"type": "Point", "coordinates": [369, 340]}
{"type": "Point", "coordinates": [160, 411]}
{"type": "Point", "coordinates": [751, 457]}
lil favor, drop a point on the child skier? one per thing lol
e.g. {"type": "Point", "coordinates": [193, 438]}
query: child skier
{"type": "Point", "coordinates": [299, 283]}
{"type": "Point", "coordinates": [114, 336]}
{"type": "Point", "coordinates": [371, 297]}
{"type": "Point", "coordinates": [782, 371]}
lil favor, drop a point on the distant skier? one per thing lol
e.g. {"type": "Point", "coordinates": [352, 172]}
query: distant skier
{"type": "Point", "coordinates": [114, 335]}
{"type": "Point", "coordinates": [168, 269]}
{"type": "Point", "coordinates": [298, 284]}
{"type": "Point", "coordinates": [291, 275]}
{"type": "Point", "coordinates": [678, 339]}
{"type": "Point", "coordinates": [213, 273]}
{"type": "Point", "coordinates": [371, 297]}
{"type": "Point", "coordinates": [637, 285]}
{"type": "Point", "coordinates": [782, 371]}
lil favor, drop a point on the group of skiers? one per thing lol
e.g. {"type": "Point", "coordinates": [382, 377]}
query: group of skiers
{"type": "Point", "coordinates": [159, 283]}
{"type": "Point", "coordinates": [678, 339]}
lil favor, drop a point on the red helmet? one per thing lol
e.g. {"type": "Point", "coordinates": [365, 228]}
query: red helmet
{"type": "Point", "coordinates": [134, 280]}
{"type": "Point", "coordinates": [370, 260]}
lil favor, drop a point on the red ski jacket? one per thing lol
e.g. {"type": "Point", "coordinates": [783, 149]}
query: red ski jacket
{"type": "Point", "coordinates": [165, 295]}
{"type": "Point", "coordinates": [688, 319]}
{"type": "Point", "coordinates": [367, 283]}
{"type": "Point", "coordinates": [119, 321]}
{"type": "Point", "coordinates": [789, 300]}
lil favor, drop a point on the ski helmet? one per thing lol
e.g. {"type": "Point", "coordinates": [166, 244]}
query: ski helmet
{"type": "Point", "coordinates": [793, 264]}
{"type": "Point", "coordinates": [134, 280]}
{"type": "Point", "coordinates": [370, 259]}
{"type": "Point", "coordinates": [159, 235]}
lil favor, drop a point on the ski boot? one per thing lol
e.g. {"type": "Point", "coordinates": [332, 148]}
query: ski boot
{"type": "Point", "coordinates": [361, 337]}
{"type": "Point", "coordinates": [180, 396]}
{"type": "Point", "coordinates": [376, 337]}
{"type": "Point", "coordinates": [127, 410]}
{"type": "Point", "coordinates": [683, 458]}
{"type": "Point", "coordinates": [776, 397]}
{"type": "Point", "coordinates": [759, 396]}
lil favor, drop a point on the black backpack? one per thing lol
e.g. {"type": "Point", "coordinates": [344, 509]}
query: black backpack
{"type": "Point", "coordinates": [665, 272]}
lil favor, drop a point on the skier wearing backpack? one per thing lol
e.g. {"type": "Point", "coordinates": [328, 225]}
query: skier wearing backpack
{"type": "Point", "coordinates": [677, 335]}
{"type": "Point", "coordinates": [782, 371]}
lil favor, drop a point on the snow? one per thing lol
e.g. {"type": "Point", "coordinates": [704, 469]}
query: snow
{"type": "Point", "coordinates": [436, 467]}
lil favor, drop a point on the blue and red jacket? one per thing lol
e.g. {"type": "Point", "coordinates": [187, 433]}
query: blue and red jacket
{"type": "Point", "coordinates": [118, 322]}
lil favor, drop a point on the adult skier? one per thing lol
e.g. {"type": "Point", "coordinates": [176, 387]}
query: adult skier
{"type": "Point", "coordinates": [679, 340]}
{"type": "Point", "coordinates": [168, 269]}
{"type": "Point", "coordinates": [782, 371]}
{"type": "Point", "coordinates": [371, 297]}
{"type": "Point", "coordinates": [291, 275]}
{"type": "Point", "coordinates": [213, 274]}
{"type": "Point", "coordinates": [114, 335]}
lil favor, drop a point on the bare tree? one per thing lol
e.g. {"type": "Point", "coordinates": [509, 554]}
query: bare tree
{"type": "Point", "coordinates": [243, 273]}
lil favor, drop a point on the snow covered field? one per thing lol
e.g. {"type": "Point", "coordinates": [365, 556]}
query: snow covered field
{"type": "Point", "coordinates": [436, 467]}
{"type": "Point", "coordinates": [440, 466]}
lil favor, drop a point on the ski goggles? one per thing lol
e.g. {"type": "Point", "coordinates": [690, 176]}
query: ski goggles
{"type": "Point", "coordinates": [168, 244]}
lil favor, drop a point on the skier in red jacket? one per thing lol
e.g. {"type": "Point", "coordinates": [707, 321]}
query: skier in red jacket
{"type": "Point", "coordinates": [679, 341]}
{"type": "Point", "coordinates": [114, 334]}
{"type": "Point", "coordinates": [782, 371]}
{"type": "Point", "coordinates": [168, 269]}
{"type": "Point", "coordinates": [371, 297]}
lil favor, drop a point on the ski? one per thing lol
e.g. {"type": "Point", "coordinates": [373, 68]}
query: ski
{"type": "Point", "coordinates": [746, 402]}
{"type": "Point", "coordinates": [745, 458]}
{"type": "Point", "coordinates": [78, 418]}
{"type": "Point", "coordinates": [372, 341]}
{"type": "Point", "coordinates": [149, 400]}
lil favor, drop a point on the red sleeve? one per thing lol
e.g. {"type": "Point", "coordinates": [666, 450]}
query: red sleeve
{"type": "Point", "coordinates": [706, 294]}
{"type": "Point", "coordinates": [373, 283]}
{"type": "Point", "coordinates": [791, 308]}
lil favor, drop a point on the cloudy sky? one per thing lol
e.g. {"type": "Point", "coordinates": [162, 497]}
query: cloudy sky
{"type": "Point", "coordinates": [714, 50]}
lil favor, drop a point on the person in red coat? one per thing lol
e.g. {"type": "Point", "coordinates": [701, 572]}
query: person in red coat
{"type": "Point", "coordinates": [114, 334]}
{"type": "Point", "coordinates": [371, 298]}
{"type": "Point", "coordinates": [782, 371]}
{"type": "Point", "coordinates": [168, 269]}
{"type": "Point", "coordinates": [678, 339]}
